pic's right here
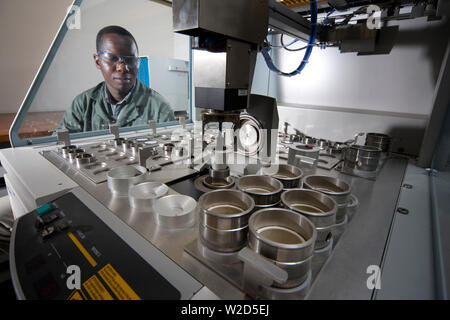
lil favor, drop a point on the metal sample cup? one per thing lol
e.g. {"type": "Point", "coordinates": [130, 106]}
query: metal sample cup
{"type": "Point", "coordinates": [337, 149]}
{"type": "Point", "coordinates": [167, 148]}
{"type": "Point", "coordinates": [143, 195]}
{"type": "Point", "coordinates": [127, 145]}
{"type": "Point", "coordinates": [118, 142]}
{"type": "Point", "coordinates": [264, 190]}
{"type": "Point", "coordinates": [218, 183]}
{"type": "Point", "coordinates": [287, 239]}
{"type": "Point", "coordinates": [335, 188]}
{"type": "Point", "coordinates": [309, 140]}
{"type": "Point", "coordinates": [287, 174]}
{"type": "Point", "coordinates": [378, 140]}
{"type": "Point", "coordinates": [120, 179]}
{"type": "Point", "coordinates": [66, 149]}
{"type": "Point", "coordinates": [84, 158]}
{"type": "Point", "coordinates": [72, 154]}
{"type": "Point", "coordinates": [316, 206]}
{"type": "Point", "coordinates": [304, 156]}
{"type": "Point", "coordinates": [224, 218]}
{"type": "Point", "coordinates": [175, 211]}
{"type": "Point", "coordinates": [364, 158]}
{"type": "Point", "coordinates": [323, 144]}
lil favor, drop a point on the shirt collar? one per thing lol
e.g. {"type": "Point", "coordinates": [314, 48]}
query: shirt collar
{"type": "Point", "coordinates": [124, 100]}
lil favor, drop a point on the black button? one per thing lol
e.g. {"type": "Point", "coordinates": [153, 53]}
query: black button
{"type": "Point", "coordinates": [49, 218]}
{"type": "Point", "coordinates": [39, 223]}
{"type": "Point", "coordinates": [62, 225]}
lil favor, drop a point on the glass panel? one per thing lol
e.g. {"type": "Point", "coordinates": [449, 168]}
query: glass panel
{"type": "Point", "coordinates": [74, 87]}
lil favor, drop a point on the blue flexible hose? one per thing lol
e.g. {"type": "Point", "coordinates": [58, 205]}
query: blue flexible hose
{"type": "Point", "coordinates": [312, 39]}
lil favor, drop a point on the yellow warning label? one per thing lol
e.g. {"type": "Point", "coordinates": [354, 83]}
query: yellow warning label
{"type": "Point", "coordinates": [82, 249]}
{"type": "Point", "coordinates": [117, 284]}
{"type": "Point", "coordinates": [96, 289]}
{"type": "Point", "coordinates": [77, 295]}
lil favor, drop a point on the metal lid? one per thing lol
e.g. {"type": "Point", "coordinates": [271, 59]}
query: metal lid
{"type": "Point", "coordinates": [175, 211]}
{"type": "Point", "coordinates": [143, 194]}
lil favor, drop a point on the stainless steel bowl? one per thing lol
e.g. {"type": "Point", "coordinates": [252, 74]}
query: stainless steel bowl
{"type": "Point", "coordinates": [337, 189]}
{"type": "Point", "coordinates": [364, 158]}
{"type": "Point", "coordinates": [287, 174]}
{"type": "Point", "coordinates": [281, 234]}
{"type": "Point", "coordinates": [318, 207]}
{"type": "Point", "coordinates": [175, 211]}
{"type": "Point", "coordinates": [378, 140]}
{"type": "Point", "coordinates": [265, 190]}
{"type": "Point", "coordinates": [143, 195]}
{"type": "Point", "coordinates": [120, 179]}
{"type": "Point", "coordinates": [218, 183]}
{"type": "Point", "coordinates": [285, 237]}
{"type": "Point", "coordinates": [224, 218]}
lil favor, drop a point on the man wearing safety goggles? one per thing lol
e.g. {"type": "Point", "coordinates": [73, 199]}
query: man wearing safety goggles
{"type": "Point", "coordinates": [121, 98]}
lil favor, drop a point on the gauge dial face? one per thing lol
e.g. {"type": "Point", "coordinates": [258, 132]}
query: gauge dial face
{"type": "Point", "coordinates": [248, 136]}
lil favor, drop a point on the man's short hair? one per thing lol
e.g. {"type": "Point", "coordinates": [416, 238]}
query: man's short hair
{"type": "Point", "coordinates": [116, 30]}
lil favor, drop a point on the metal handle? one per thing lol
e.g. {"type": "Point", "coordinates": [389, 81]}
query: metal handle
{"type": "Point", "coordinates": [144, 153]}
{"type": "Point", "coordinates": [353, 202]}
{"type": "Point", "coordinates": [114, 129]}
{"type": "Point", "coordinates": [63, 136]}
{"type": "Point", "coordinates": [152, 125]}
{"type": "Point", "coordinates": [355, 138]}
{"type": "Point", "coordinates": [301, 159]}
{"type": "Point", "coordinates": [259, 270]}
{"type": "Point", "coordinates": [182, 121]}
{"type": "Point", "coordinates": [286, 125]}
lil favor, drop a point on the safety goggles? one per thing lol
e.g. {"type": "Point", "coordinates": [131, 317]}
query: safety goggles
{"type": "Point", "coordinates": [112, 58]}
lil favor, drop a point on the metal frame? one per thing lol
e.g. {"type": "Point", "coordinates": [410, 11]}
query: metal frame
{"type": "Point", "coordinates": [441, 104]}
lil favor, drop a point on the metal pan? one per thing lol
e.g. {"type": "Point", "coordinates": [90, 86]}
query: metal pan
{"type": "Point", "coordinates": [224, 218]}
{"type": "Point", "coordinates": [175, 211]}
{"type": "Point", "coordinates": [120, 179]}
{"type": "Point", "coordinates": [264, 190]}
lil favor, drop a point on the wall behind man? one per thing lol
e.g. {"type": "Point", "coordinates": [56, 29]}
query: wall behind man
{"type": "Point", "coordinates": [28, 28]}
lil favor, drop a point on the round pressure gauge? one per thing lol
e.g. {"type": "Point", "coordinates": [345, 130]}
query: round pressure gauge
{"type": "Point", "coordinates": [250, 135]}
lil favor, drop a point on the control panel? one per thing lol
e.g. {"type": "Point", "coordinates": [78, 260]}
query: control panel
{"type": "Point", "coordinates": [68, 250]}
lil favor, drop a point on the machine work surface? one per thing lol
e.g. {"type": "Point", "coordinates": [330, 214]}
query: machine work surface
{"type": "Point", "coordinates": [343, 276]}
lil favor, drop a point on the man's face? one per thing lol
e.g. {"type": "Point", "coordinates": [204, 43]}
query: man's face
{"type": "Point", "coordinates": [119, 76]}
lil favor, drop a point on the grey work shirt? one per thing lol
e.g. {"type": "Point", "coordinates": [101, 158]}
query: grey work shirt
{"type": "Point", "coordinates": [90, 110]}
{"type": "Point", "coordinates": [116, 107]}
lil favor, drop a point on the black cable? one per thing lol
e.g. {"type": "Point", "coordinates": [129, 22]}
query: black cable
{"type": "Point", "coordinates": [286, 48]}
